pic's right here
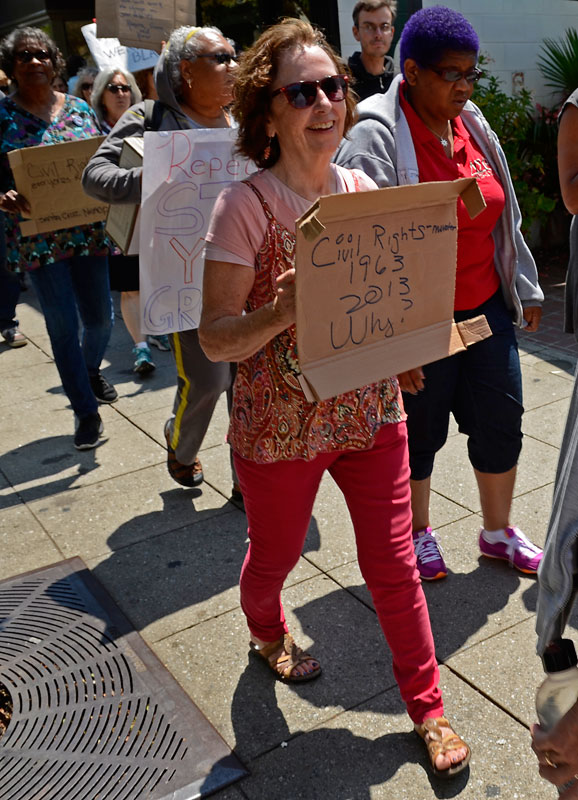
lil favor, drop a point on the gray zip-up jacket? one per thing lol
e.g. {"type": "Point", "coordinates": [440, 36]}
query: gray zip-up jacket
{"type": "Point", "coordinates": [381, 145]}
{"type": "Point", "coordinates": [102, 177]}
{"type": "Point", "coordinates": [557, 574]}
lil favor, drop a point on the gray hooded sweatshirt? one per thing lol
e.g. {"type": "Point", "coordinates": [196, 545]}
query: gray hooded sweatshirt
{"type": "Point", "coordinates": [381, 145]}
{"type": "Point", "coordinates": [102, 177]}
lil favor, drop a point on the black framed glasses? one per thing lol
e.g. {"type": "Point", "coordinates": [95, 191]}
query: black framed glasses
{"type": "Point", "coordinates": [26, 56]}
{"type": "Point", "coordinates": [115, 88]}
{"type": "Point", "coordinates": [455, 75]}
{"type": "Point", "coordinates": [219, 58]}
{"type": "Point", "coordinates": [304, 93]}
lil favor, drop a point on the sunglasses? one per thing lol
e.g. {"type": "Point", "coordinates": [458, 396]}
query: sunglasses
{"type": "Point", "coordinates": [87, 86]}
{"type": "Point", "coordinates": [26, 56]}
{"type": "Point", "coordinates": [304, 93]}
{"type": "Point", "coordinates": [454, 75]}
{"type": "Point", "coordinates": [115, 88]}
{"type": "Point", "coordinates": [219, 58]}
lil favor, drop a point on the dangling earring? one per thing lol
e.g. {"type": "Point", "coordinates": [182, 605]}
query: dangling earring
{"type": "Point", "coordinates": [267, 150]}
{"type": "Point", "coordinates": [189, 82]}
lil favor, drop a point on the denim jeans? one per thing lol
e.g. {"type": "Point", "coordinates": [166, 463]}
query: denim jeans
{"type": "Point", "coordinates": [67, 289]}
{"type": "Point", "coordinates": [9, 286]}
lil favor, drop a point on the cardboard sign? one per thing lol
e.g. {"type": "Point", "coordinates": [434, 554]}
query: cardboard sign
{"type": "Point", "coordinates": [143, 23]}
{"type": "Point", "coordinates": [123, 220]}
{"type": "Point", "coordinates": [183, 174]}
{"type": "Point", "coordinates": [375, 277]}
{"type": "Point", "coordinates": [111, 53]}
{"type": "Point", "coordinates": [48, 176]}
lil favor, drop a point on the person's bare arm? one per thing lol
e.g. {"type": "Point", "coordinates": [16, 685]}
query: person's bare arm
{"type": "Point", "coordinates": [225, 333]}
{"type": "Point", "coordinates": [568, 158]}
{"type": "Point", "coordinates": [560, 747]}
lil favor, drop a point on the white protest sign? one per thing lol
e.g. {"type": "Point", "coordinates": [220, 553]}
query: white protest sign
{"type": "Point", "coordinates": [111, 53]}
{"type": "Point", "coordinates": [183, 174]}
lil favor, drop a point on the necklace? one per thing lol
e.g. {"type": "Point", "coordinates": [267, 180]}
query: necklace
{"type": "Point", "coordinates": [443, 141]}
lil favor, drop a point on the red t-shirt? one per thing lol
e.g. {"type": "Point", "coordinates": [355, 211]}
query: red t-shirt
{"type": "Point", "coordinates": [476, 276]}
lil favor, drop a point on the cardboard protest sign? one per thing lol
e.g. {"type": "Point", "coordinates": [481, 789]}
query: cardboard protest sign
{"type": "Point", "coordinates": [123, 220]}
{"type": "Point", "coordinates": [49, 178]}
{"type": "Point", "coordinates": [375, 278]}
{"type": "Point", "coordinates": [183, 174]}
{"type": "Point", "coordinates": [143, 23]}
{"type": "Point", "coordinates": [111, 53]}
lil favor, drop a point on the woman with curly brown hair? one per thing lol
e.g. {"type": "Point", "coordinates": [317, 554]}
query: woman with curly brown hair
{"type": "Point", "coordinates": [293, 107]}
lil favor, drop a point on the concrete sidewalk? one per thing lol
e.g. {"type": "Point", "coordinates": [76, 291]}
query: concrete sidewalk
{"type": "Point", "coordinates": [171, 558]}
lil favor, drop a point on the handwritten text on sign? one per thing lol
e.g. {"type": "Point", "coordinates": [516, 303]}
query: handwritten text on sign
{"type": "Point", "coordinates": [377, 279]}
{"type": "Point", "coordinates": [183, 174]}
{"type": "Point", "coordinates": [109, 52]}
{"type": "Point", "coordinates": [143, 23]}
{"type": "Point", "coordinates": [49, 177]}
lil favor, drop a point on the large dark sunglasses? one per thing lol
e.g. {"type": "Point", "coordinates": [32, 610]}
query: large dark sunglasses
{"type": "Point", "coordinates": [86, 86]}
{"type": "Point", "coordinates": [219, 58]}
{"type": "Point", "coordinates": [304, 93]}
{"type": "Point", "coordinates": [454, 75]}
{"type": "Point", "coordinates": [115, 88]}
{"type": "Point", "coordinates": [26, 56]}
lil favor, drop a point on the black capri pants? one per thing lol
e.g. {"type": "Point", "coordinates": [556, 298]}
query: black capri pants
{"type": "Point", "coordinates": [482, 388]}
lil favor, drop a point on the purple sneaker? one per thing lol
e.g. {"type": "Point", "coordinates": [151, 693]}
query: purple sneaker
{"type": "Point", "coordinates": [518, 550]}
{"type": "Point", "coordinates": [430, 562]}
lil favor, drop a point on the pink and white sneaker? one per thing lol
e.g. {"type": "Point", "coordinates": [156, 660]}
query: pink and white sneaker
{"type": "Point", "coordinates": [430, 562]}
{"type": "Point", "coordinates": [518, 550]}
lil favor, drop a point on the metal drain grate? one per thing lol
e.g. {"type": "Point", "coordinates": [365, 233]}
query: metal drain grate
{"type": "Point", "coordinates": [96, 715]}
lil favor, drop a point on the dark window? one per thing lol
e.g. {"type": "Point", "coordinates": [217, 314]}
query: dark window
{"type": "Point", "coordinates": [243, 21]}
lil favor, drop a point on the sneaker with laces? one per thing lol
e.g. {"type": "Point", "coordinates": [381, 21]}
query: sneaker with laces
{"type": "Point", "coordinates": [430, 562]}
{"type": "Point", "coordinates": [518, 550]}
{"type": "Point", "coordinates": [88, 431]}
{"type": "Point", "coordinates": [103, 390]}
{"type": "Point", "coordinates": [143, 361]}
{"type": "Point", "coordinates": [185, 474]}
{"type": "Point", "coordinates": [160, 342]}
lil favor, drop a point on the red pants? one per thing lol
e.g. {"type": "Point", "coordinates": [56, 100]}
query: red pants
{"type": "Point", "coordinates": [279, 500]}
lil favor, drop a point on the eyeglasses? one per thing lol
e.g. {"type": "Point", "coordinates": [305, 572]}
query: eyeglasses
{"type": "Point", "coordinates": [115, 88]}
{"type": "Point", "coordinates": [86, 87]}
{"type": "Point", "coordinates": [26, 56]}
{"type": "Point", "coordinates": [370, 27]}
{"type": "Point", "coordinates": [454, 75]}
{"type": "Point", "coordinates": [304, 93]}
{"type": "Point", "coordinates": [219, 58]}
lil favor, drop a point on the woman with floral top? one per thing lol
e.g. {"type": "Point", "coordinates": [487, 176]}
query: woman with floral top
{"type": "Point", "coordinates": [69, 267]}
{"type": "Point", "coordinates": [293, 104]}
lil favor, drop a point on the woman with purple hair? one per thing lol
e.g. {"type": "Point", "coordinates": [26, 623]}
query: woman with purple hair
{"type": "Point", "coordinates": [427, 129]}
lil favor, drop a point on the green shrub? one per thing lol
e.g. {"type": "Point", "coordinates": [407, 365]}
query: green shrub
{"type": "Point", "coordinates": [519, 129]}
{"type": "Point", "coordinates": [558, 63]}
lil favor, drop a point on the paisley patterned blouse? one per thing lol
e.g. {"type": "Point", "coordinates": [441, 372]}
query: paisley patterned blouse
{"type": "Point", "coordinates": [271, 420]}
{"type": "Point", "coordinates": [19, 128]}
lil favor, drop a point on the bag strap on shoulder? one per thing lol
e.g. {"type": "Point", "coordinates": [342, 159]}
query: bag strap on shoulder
{"type": "Point", "coordinates": [153, 114]}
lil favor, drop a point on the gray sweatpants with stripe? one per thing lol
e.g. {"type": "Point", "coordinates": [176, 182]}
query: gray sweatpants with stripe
{"type": "Point", "coordinates": [200, 383]}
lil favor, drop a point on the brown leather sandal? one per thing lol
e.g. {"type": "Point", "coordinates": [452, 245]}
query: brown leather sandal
{"type": "Point", "coordinates": [436, 744]}
{"type": "Point", "coordinates": [283, 656]}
